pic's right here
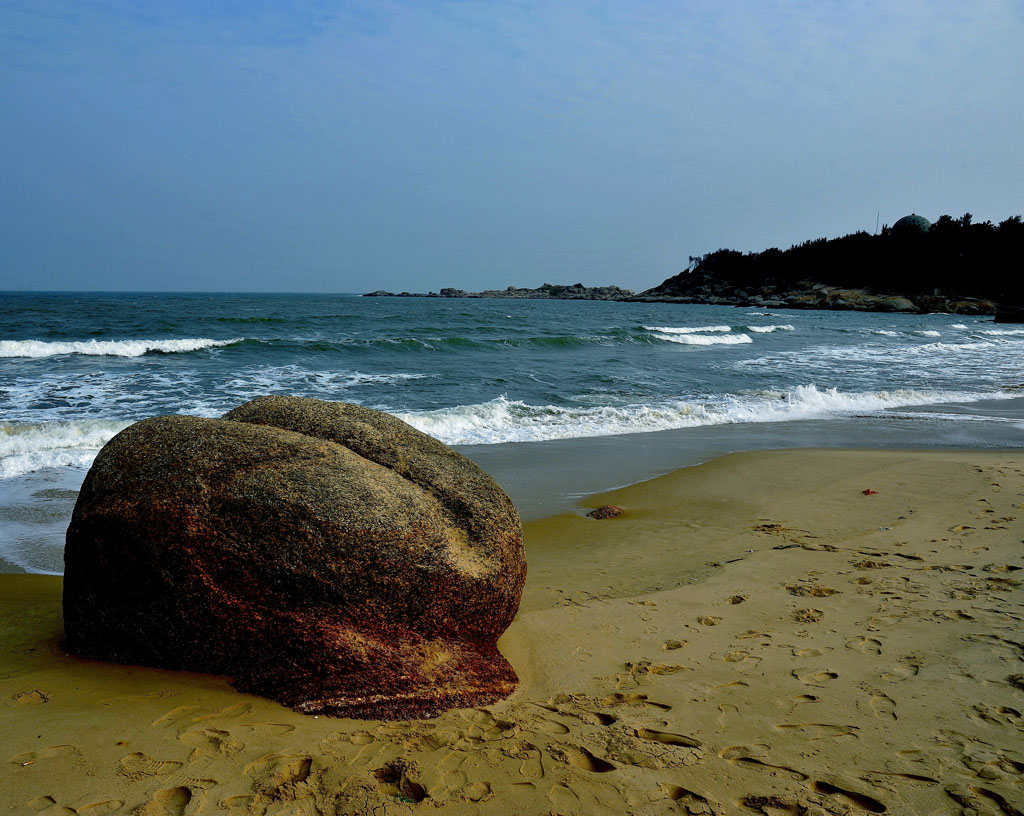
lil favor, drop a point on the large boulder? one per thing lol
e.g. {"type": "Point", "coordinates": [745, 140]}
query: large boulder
{"type": "Point", "coordinates": [323, 554]}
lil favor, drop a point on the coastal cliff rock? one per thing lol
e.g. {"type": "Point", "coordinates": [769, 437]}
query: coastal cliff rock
{"type": "Point", "coordinates": [702, 288]}
{"type": "Point", "coordinates": [1010, 313]}
{"type": "Point", "coordinates": [323, 554]}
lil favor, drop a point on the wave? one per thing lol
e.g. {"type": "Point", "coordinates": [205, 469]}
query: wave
{"type": "Point", "coordinates": [958, 326]}
{"type": "Point", "coordinates": [767, 329]}
{"type": "Point", "coordinates": [687, 330]}
{"type": "Point", "coordinates": [503, 420]}
{"type": "Point", "coordinates": [928, 333]}
{"type": "Point", "coordinates": [705, 340]}
{"type": "Point", "coordinates": [886, 333]}
{"type": "Point", "coordinates": [1002, 332]}
{"type": "Point", "coordinates": [29, 447]}
{"type": "Point", "coordinates": [107, 348]}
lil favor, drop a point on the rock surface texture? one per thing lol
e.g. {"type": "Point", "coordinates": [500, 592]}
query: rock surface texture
{"type": "Point", "coordinates": [323, 554]}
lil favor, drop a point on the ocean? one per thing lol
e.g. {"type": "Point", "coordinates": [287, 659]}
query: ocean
{"type": "Point", "coordinates": [554, 398]}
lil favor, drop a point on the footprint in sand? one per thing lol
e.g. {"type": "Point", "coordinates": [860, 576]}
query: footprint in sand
{"type": "Point", "coordinates": [167, 802]}
{"type": "Point", "coordinates": [815, 677]}
{"type": "Point", "coordinates": [727, 713]}
{"type": "Point", "coordinates": [209, 743]}
{"type": "Point", "coordinates": [816, 731]}
{"type": "Point", "coordinates": [53, 752]}
{"type": "Point", "coordinates": [808, 616]}
{"type": "Point", "coordinates": [31, 697]}
{"type": "Point", "coordinates": [865, 645]}
{"type": "Point", "coordinates": [100, 808]}
{"type": "Point", "coordinates": [395, 779]}
{"type": "Point", "coordinates": [883, 706]}
{"type": "Point", "coordinates": [47, 806]}
{"type": "Point", "coordinates": [477, 791]}
{"type": "Point", "coordinates": [530, 758]}
{"type": "Point", "coordinates": [579, 757]}
{"type": "Point", "coordinates": [140, 766]}
{"type": "Point", "coordinates": [275, 770]}
{"type": "Point", "coordinates": [740, 656]}
{"type": "Point", "coordinates": [667, 738]}
{"type": "Point", "coordinates": [752, 757]}
{"type": "Point", "coordinates": [688, 800]}
{"type": "Point", "coordinates": [237, 805]}
{"type": "Point", "coordinates": [619, 699]}
{"type": "Point", "coordinates": [857, 801]}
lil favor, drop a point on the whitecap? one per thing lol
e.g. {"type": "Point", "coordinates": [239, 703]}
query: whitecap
{"type": "Point", "coordinates": [687, 330]}
{"type": "Point", "coordinates": [768, 329]}
{"type": "Point", "coordinates": [705, 340]}
{"type": "Point", "coordinates": [108, 348]}
{"type": "Point", "coordinates": [25, 447]}
{"type": "Point", "coordinates": [503, 420]}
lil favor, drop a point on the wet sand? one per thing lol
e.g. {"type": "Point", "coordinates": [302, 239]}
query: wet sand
{"type": "Point", "coordinates": [754, 635]}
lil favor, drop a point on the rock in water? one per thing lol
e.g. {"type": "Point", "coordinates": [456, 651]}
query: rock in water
{"type": "Point", "coordinates": [323, 554]}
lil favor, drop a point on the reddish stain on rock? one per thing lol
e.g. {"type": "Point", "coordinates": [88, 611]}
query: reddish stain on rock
{"type": "Point", "coordinates": [325, 555]}
{"type": "Point", "coordinates": [606, 511]}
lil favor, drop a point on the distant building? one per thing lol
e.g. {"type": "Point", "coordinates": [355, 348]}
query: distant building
{"type": "Point", "coordinates": [911, 225]}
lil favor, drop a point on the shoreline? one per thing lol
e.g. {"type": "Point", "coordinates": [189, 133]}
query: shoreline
{"type": "Point", "coordinates": [548, 477]}
{"type": "Point", "coordinates": [753, 635]}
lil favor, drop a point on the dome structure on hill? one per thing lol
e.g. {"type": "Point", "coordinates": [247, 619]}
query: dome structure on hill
{"type": "Point", "coordinates": [911, 225]}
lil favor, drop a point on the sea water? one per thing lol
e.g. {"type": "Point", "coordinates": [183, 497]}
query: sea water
{"type": "Point", "coordinates": [555, 398]}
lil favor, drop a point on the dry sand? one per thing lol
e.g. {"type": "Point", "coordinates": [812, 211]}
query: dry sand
{"type": "Point", "coordinates": [754, 635]}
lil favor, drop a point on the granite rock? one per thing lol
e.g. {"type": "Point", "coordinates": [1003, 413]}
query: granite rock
{"type": "Point", "coordinates": [323, 554]}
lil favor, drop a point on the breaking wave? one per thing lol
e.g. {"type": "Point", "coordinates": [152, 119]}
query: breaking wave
{"type": "Point", "coordinates": [503, 420]}
{"type": "Point", "coordinates": [705, 339]}
{"type": "Point", "coordinates": [767, 329]}
{"type": "Point", "coordinates": [108, 348]}
{"type": "Point", "coordinates": [26, 447]}
{"type": "Point", "coordinates": [687, 329]}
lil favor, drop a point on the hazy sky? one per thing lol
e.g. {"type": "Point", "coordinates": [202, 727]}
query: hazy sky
{"type": "Point", "coordinates": [314, 146]}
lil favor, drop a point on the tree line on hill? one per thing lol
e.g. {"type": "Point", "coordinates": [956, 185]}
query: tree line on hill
{"type": "Point", "coordinates": [957, 256]}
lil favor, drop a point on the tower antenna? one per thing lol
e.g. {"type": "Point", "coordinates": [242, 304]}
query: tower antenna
{"type": "Point", "coordinates": [877, 216]}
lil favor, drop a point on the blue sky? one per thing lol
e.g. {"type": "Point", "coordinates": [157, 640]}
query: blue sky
{"type": "Point", "coordinates": [412, 145]}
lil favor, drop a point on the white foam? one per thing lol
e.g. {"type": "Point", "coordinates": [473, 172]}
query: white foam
{"type": "Point", "coordinates": [504, 420]}
{"type": "Point", "coordinates": [108, 348]}
{"type": "Point", "coordinates": [26, 447]}
{"type": "Point", "coordinates": [954, 347]}
{"type": "Point", "coordinates": [767, 329]}
{"type": "Point", "coordinates": [886, 333]}
{"type": "Point", "coordinates": [687, 330]}
{"type": "Point", "coordinates": [705, 340]}
{"type": "Point", "coordinates": [958, 326]}
{"type": "Point", "coordinates": [928, 333]}
{"type": "Point", "coordinates": [1002, 332]}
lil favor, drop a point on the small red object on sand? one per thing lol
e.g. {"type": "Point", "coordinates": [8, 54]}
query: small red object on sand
{"type": "Point", "coordinates": [869, 492]}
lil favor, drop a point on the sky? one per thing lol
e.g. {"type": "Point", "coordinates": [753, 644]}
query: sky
{"type": "Point", "coordinates": [279, 145]}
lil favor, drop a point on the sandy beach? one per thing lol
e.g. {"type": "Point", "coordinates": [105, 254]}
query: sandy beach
{"type": "Point", "coordinates": [754, 635]}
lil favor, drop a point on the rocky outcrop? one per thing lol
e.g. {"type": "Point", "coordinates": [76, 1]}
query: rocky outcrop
{"type": "Point", "coordinates": [323, 554]}
{"type": "Point", "coordinates": [705, 288]}
{"type": "Point", "coordinates": [548, 291]}
{"type": "Point", "coordinates": [606, 511]}
{"type": "Point", "coordinates": [1010, 313]}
